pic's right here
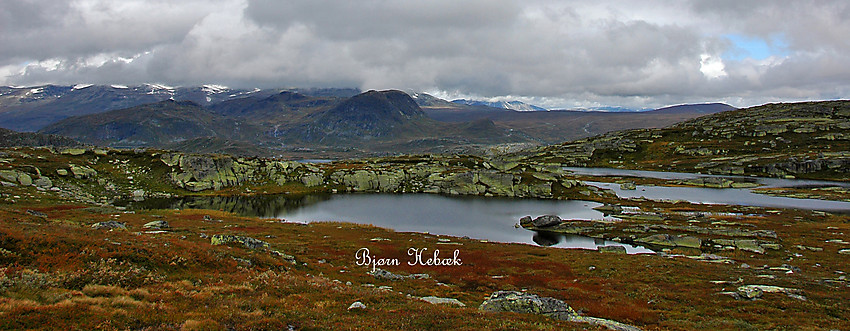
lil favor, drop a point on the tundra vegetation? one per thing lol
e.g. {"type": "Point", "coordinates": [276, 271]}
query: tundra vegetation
{"type": "Point", "coordinates": [71, 257]}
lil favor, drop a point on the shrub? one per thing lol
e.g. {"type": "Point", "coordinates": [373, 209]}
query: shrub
{"type": "Point", "coordinates": [111, 272]}
{"type": "Point", "coordinates": [26, 279]}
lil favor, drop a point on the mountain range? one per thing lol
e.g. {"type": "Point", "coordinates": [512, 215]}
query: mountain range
{"type": "Point", "coordinates": [305, 122]}
{"type": "Point", "coordinates": [509, 105]}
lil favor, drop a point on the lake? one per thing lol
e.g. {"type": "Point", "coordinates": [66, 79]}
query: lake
{"type": "Point", "coordinates": [482, 218]}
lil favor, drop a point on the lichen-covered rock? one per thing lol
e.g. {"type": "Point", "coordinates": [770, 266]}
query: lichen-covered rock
{"type": "Point", "coordinates": [198, 172]}
{"type": "Point", "coordinates": [383, 274]}
{"type": "Point", "coordinates": [311, 180]}
{"type": "Point", "coordinates": [14, 176]}
{"type": "Point", "coordinates": [442, 301]}
{"type": "Point", "coordinates": [156, 225]}
{"type": "Point", "coordinates": [612, 249]}
{"type": "Point", "coordinates": [248, 242]}
{"type": "Point", "coordinates": [73, 151]}
{"type": "Point", "coordinates": [525, 303]}
{"type": "Point", "coordinates": [109, 225]}
{"type": "Point", "coordinates": [83, 172]}
{"type": "Point", "coordinates": [545, 221]}
{"type": "Point", "coordinates": [43, 182]}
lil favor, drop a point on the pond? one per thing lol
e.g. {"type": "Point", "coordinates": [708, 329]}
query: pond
{"type": "Point", "coordinates": [731, 196]}
{"type": "Point", "coordinates": [490, 219]}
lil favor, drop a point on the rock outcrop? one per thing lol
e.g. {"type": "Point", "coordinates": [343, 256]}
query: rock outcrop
{"type": "Point", "coordinates": [526, 303]}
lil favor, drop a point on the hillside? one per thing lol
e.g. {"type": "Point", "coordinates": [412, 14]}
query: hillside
{"type": "Point", "coordinates": [808, 139]}
{"type": "Point", "coordinates": [151, 125]}
{"type": "Point", "coordinates": [33, 108]}
{"type": "Point", "coordinates": [9, 138]}
{"type": "Point", "coordinates": [553, 127]}
{"type": "Point", "coordinates": [284, 124]}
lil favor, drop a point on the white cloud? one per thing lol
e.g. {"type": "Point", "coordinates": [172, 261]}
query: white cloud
{"type": "Point", "coordinates": [712, 66]}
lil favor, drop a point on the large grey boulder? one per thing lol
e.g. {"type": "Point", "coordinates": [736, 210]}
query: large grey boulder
{"type": "Point", "coordinates": [526, 303]}
{"type": "Point", "coordinates": [546, 220]}
{"type": "Point", "coordinates": [519, 302]}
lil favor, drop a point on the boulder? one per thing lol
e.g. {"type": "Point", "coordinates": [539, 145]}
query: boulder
{"type": "Point", "coordinates": [14, 176]}
{"type": "Point", "coordinates": [43, 182]}
{"type": "Point", "coordinates": [612, 249]}
{"type": "Point", "coordinates": [73, 151]}
{"type": "Point", "coordinates": [311, 180]}
{"type": "Point", "coordinates": [36, 213]}
{"type": "Point", "coordinates": [526, 303]}
{"type": "Point", "coordinates": [156, 225]}
{"type": "Point", "coordinates": [109, 225]}
{"type": "Point", "coordinates": [82, 172]}
{"type": "Point", "coordinates": [357, 305]}
{"type": "Point", "coordinates": [609, 209]}
{"type": "Point", "coordinates": [442, 301]}
{"type": "Point", "coordinates": [546, 220]}
{"type": "Point", "coordinates": [248, 242]}
{"type": "Point", "coordinates": [383, 274]}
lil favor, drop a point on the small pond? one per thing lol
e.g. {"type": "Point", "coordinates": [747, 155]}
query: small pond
{"type": "Point", "coordinates": [490, 219]}
{"type": "Point", "coordinates": [736, 196]}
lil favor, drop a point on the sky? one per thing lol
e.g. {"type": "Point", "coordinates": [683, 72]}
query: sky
{"type": "Point", "coordinates": [556, 54]}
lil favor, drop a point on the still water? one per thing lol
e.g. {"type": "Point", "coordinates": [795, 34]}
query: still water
{"type": "Point", "coordinates": [731, 196]}
{"type": "Point", "coordinates": [490, 219]}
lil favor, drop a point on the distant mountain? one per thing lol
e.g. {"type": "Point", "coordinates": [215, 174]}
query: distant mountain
{"type": "Point", "coordinates": [32, 108]}
{"type": "Point", "coordinates": [373, 114]}
{"type": "Point", "coordinates": [371, 122]}
{"type": "Point", "coordinates": [509, 105]}
{"type": "Point", "coordinates": [157, 124]}
{"type": "Point", "coordinates": [273, 107]}
{"type": "Point", "coordinates": [427, 100]}
{"type": "Point", "coordinates": [702, 108]}
{"type": "Point", "coordinates": [611, 109]}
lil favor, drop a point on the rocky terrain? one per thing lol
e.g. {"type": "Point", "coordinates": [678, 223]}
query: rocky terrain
{"type": "Point", "coordinates": [71, 256]}
{"type": "Point", "coordinates": [67, 247]}
{"type": "Point", "coordinates": [805, 140]}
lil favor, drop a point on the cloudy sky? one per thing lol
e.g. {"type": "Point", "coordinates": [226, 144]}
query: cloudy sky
{"type": "Point", "coordinates": [559, 54]}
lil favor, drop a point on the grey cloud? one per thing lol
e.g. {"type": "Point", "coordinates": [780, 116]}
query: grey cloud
{"type": "Point", "coordinates": [615, 52]}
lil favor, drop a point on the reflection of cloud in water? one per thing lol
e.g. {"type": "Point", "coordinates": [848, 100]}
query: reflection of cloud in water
{"type": "Point", "coordinates": [475, 217]}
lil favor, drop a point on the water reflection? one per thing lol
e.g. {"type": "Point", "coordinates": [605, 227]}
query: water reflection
{"type": "Point", "coordinates": [475, 217]}
{"type": "Point", "coordinates": [669, 175]}
{"type": "Point", "coordinates": [257, 205]}
{"type": "Point", "coordinates": [582, 242]}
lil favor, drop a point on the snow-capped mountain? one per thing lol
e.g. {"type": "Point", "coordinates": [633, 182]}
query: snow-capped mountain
{"type": "Point", "coordinates": [31, 108]}
{"type": "Point", "coordinates": [509, 105]}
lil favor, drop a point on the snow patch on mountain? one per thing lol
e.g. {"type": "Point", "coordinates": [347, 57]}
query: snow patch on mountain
{"type": "Point", "coordinates": [509, 105]}
{"type": "Point", "coordinates": [120, 87]}
{"type": "Point", "coordinates": [81, 86]}
{"type": "Point", "coordinates": [214, 89]}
